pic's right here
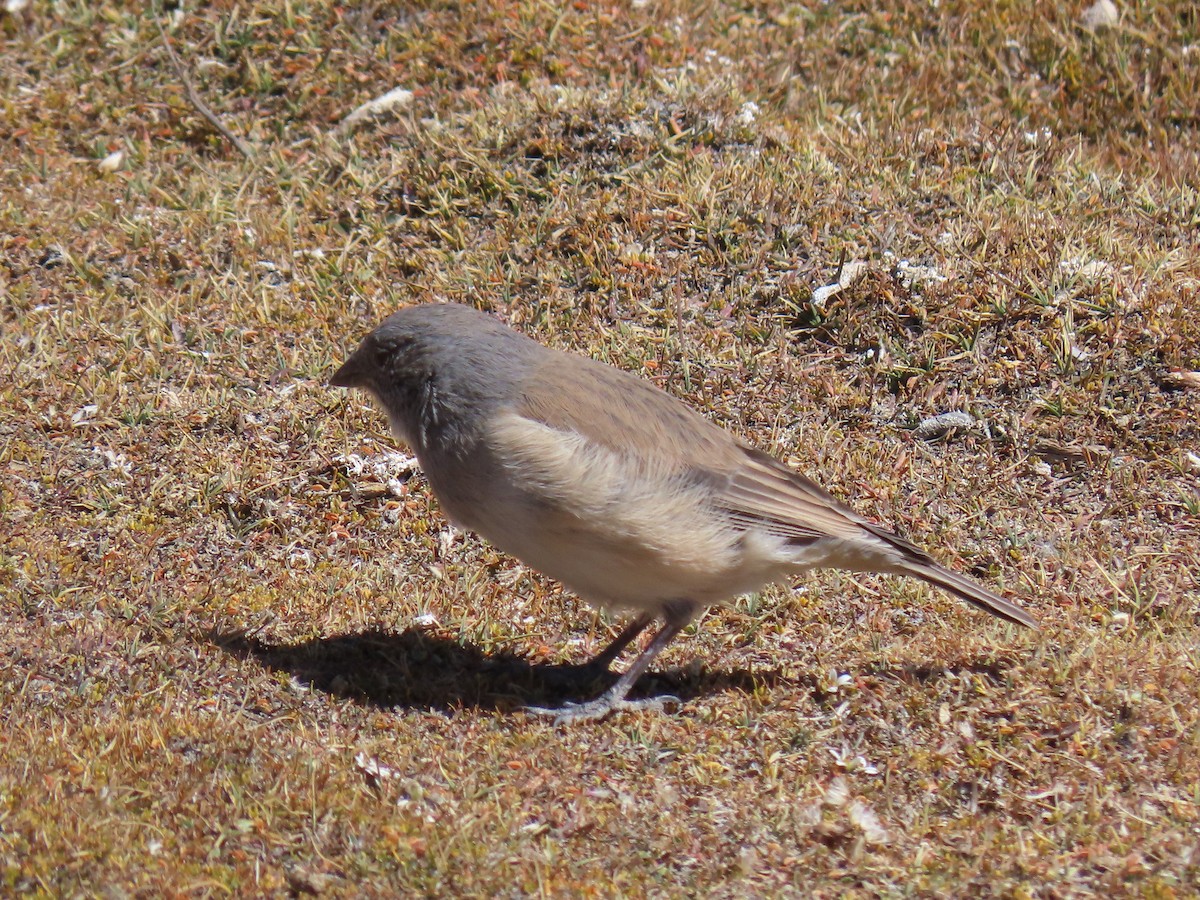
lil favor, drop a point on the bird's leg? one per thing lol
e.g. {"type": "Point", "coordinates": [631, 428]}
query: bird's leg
{"type": "Point", "coordinates": [599, 663]}
{"type": "Point", "coordinates": [596, 668]}
{"type": "Point", "coordinates": [677, 617]}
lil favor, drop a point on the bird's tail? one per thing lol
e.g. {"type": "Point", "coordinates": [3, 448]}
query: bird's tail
{"type": "Point", "coordinates": [971, 591]}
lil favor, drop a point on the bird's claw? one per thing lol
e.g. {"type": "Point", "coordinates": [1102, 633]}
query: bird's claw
{"type": "Point", "coordinates": [600, 708]}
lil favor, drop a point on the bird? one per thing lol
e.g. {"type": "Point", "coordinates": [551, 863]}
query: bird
{"type": "Point", "coordinates": [608, 484]}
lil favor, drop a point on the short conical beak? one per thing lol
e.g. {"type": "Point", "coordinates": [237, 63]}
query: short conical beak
{"type": "Point", "coordinates": [350, 374]}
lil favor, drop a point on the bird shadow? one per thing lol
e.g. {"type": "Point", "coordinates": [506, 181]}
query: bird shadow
{"type": "Point", "coordinates": [413, 669]}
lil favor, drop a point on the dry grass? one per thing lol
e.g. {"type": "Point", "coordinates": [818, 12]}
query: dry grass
{"type": "Point", "coordinates": [231, 666]}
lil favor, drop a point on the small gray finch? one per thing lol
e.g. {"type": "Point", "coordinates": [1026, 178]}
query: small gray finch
{"type": "Point", "coordinates": [604, 482]}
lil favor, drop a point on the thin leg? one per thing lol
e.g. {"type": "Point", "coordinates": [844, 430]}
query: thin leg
{"type": "Point", "coordinates": [613, 699]}
{"type": "Point", "coordinates": [586, 674]}
{"type": "Point", "coordinates": [602, 660]}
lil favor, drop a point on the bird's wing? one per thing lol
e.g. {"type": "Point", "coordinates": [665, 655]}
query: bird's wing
{"type": "Point", "coordinates": [764, 492]}
{"type": "Point", "coordinates": [625, 415]}
{"type": "Point", "coordinates": [655, 432]}
{"type": "Point", "coordinates": [638, 424]}
{"type": "Point", "coordinates": [658, 433]}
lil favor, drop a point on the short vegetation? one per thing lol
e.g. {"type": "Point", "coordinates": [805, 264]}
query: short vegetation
{"type": "Point", "coordinates": [240, 652]}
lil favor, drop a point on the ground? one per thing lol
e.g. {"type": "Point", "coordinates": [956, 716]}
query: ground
{"type": "Point", "coordinates": [241, 654]}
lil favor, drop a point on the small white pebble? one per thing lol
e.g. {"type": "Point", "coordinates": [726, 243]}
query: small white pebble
{"type": "Point", "coordinates": [373, 768]}
{"type": "Point", "coordinates": [939, 425]}
{"type": "Point", "coordinates": [1102, 13]}
{"type": "Point", "coordinates": [837, 793]}
{"type": "Point", "coordinates": [112, 162]}
{"type": "Point", "coordinates": [396, 98]}
{"type": "Point", "coordinates": [850, 273]}
{"type": "Point", "coordinates": [84, 414]}
{"type": "Point", "coordinates": [864, 817]}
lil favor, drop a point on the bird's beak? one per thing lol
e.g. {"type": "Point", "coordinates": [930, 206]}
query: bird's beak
{"type": "Point", "coordinates": [350, 374]}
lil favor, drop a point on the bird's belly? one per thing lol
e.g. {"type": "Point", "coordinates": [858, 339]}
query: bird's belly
{"type": "Point", "coordinates": [612, 568]}
{"type": "Point", "coordinates": [622, 573]}
{"type": "Point", "coordinates": [619, 542]}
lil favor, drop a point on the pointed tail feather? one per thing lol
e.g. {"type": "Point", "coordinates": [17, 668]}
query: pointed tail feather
{"type": "Point", "coordinates": [971, 591]}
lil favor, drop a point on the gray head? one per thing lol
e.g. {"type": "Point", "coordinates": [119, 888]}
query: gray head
{"type": "Point", "coordinates": [438, 370]}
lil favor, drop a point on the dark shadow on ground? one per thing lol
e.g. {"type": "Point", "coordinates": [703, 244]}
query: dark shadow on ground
{"type": "Point", "coordinates": [421, 671]}
{"type": "Point", "coordinates": [992, 667]}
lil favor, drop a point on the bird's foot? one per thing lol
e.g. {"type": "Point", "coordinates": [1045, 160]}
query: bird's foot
{"type": "Point", "coordinates": [601, 707]}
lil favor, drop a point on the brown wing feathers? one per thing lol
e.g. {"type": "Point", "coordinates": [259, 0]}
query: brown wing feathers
{"type": "Point", "coordinates": [792, 505]}
{"type": "Point", "coordinates": [630, 415]}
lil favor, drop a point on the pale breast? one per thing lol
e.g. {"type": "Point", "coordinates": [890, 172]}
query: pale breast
{"type": "Point", "coordinates": [618, 531]}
